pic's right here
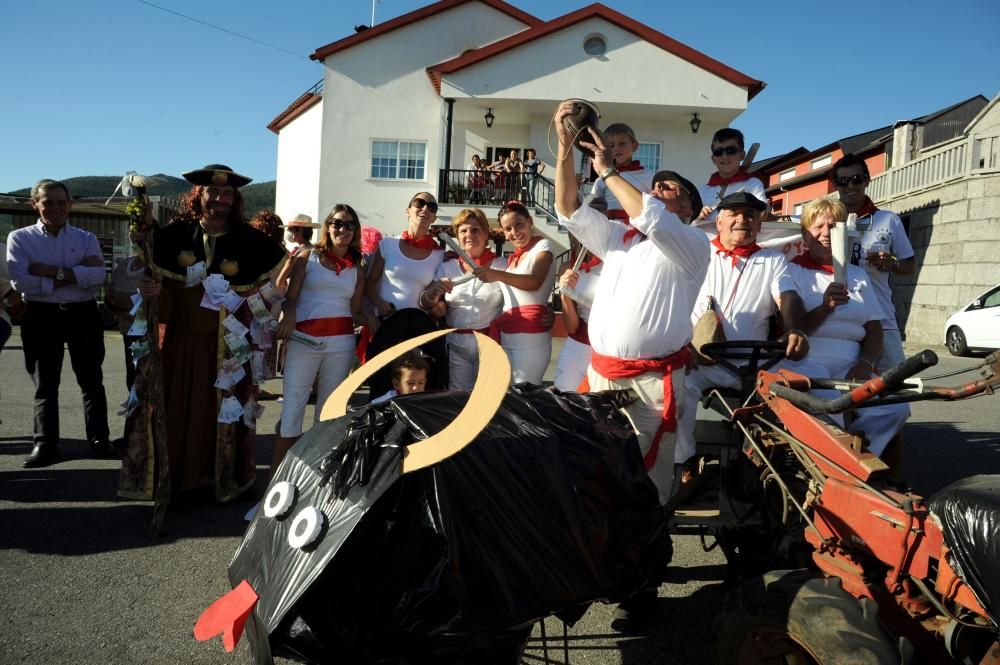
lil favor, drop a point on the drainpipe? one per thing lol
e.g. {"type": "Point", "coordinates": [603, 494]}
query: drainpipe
{"type": "Point", "coordinates": [443, 186]}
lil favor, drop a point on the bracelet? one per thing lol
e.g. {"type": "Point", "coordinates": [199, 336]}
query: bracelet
{"type": "Point", "coordinates": [608, 172]}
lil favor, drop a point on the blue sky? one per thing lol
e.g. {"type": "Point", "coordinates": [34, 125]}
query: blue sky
{"type": "Point", "coordinates": [99, 88]}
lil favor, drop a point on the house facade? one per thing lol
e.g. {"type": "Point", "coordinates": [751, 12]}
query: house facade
{"type": "Point", "coordinates": [404, 105]}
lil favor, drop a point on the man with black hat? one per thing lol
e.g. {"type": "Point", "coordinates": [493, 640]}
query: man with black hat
{"type": "Point", "coordinates": [210, 429]}
{"type": "Point", "coordinates": [746, 284]}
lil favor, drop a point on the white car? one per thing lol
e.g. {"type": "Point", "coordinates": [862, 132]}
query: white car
{"type": "Point", "coordinates": [976, 326]}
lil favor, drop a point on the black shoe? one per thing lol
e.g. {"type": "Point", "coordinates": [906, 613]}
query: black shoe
{"type": "Point", "coordinates": [102, 448]}
{"type": "Point", "coordinates": [43, 454]}
{"type": "Point", "coordinates": [633, 613]}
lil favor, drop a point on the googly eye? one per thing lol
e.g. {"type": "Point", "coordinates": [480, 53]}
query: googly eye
{"type": "Point", "coordinates": [279, 501]}
{"type": "Point", "coordinates": [305, 528]}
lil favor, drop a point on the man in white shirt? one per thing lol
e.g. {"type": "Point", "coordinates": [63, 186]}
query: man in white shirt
{"type": "Point", "coordinates": [747, 284]}
{"type": "Point", "coordinates": [882, 250]}
{"type": "Point", "coordinates": [59, 268]}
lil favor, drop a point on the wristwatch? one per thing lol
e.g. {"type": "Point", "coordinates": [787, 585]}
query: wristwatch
{"type": "Point", "coordinates": [60, 275]}
{"type": "Point", "coordinates": [608, 172]}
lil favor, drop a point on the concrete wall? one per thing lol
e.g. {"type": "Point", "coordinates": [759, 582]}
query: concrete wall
{"type": "Point", "coordinates": [297, 188]}
{"type": "Point", "coordinates": [954, 230]}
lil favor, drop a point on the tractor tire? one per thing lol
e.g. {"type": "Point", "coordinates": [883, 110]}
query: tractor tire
{"type": "Point", "coordinates": [800, 617]}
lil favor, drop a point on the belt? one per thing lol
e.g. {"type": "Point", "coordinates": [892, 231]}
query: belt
{"type": "Point", "coordinates": [61, 306]}
{"type": "Point", "coordinates": [327, 327]}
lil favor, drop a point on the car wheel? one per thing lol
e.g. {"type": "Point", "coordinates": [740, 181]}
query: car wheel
{"type": "Point", "coordinates": [955, 339]}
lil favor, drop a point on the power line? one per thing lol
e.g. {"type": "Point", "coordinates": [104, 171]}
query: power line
{"type": "Point", "coordinates": [225, 30]}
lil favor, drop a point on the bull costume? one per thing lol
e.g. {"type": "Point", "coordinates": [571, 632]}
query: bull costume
{"type": "Point", "coordinates": [200, 338]}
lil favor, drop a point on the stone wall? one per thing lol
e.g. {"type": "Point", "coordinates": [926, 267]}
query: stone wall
{"type": "Point", "coordinates": [955, 233]}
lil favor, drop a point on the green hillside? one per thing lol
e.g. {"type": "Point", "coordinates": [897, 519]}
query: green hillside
{"type": "Point", "coordinates": [258, 196]}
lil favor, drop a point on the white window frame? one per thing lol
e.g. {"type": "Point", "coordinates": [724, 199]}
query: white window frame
{"type": "Point", "coordinates": [820, 162]}
{"type": "Point", "coordinates": [799, 207]}
{"type": "Point", "coordinates": [658, 144]}
{"type": "Point", "coordinates": [786, 175]}
{"type": "Point", "coordinates": [396, 168]}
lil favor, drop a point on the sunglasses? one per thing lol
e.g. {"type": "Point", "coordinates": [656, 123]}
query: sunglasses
{"type": "Point", "coordinates": [420, 203]}
{"type": "Point", "coordinates": [728, 150]}
{"type": "Point", "coordinates": [339, 224]}
{"type": "Point", "coordinates": [845, 180]}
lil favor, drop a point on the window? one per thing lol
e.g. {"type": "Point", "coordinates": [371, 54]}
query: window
{"type": "Point", "coordinates": [992, 299]}
{"type": "Point", "coordinates": [648, 155]}
{"type": "Point", "coordinates": [786, 175]}
{"type": "Point", "coordinates": [798, 209]}
{"type": "Point", "coordinates": [595, 45]}
{"type": "Point", "coordinates": [820, 162]}
{"type": "Point", "coordinates": [398, 160]}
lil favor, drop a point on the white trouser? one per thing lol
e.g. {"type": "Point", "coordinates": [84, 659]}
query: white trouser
{"type": "Point", "coordinates": [571, 367]}
{"type": "Point", "coordinates": [463, 361]}
{"type": "Point", "coordinates": [695, 384]}
{"type": "Point", "coordinates": [529, 355]}
{"type": "Point", "coordinates": [646, 415]}
{"type": "Point", "coordinates": [892, 350]}
{"type": "Point", "coordinates": [302, 365]}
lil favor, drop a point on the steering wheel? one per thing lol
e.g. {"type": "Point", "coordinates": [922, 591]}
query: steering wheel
{"type": "Point", "coordinates": [756, 354]}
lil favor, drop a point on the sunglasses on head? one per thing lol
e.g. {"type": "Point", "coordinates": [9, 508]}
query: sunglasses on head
{"type": "Point", "coordinates": [420, 203]}
{"type": "Point", "coordinates": [845, 180]}
{"type": "Point", "coordinates": [728, 150]}
{"type": "Point", "coordinates": [339, 224]}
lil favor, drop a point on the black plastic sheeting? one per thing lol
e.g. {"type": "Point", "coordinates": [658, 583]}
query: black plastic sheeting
{"type": "Point", "coordinates": [969, 511]}
{"type": "Point", "coordinates": [399, 327]}
{"type": "Point", "coordinates": [546, 511]}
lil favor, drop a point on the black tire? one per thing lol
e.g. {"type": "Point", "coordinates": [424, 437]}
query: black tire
{"type": "Point", "coordinates": [798, 616]}
{"type": "Point", "coordinates": [955, 340]}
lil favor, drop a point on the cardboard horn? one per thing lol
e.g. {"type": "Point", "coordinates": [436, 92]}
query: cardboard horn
{"type": "Point", "coordinates": [585, 114]}
{"type": "Point", "coordinates": [488, 392]}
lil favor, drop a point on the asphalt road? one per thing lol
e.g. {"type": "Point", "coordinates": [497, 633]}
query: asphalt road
{"type": "Point", "coordinates": [81, 581]}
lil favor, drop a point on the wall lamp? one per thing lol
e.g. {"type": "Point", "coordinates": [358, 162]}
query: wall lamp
{"type": "Point", "coordinates": [695, 123]}
{"type": "Point", "coordinates": [489, 118]}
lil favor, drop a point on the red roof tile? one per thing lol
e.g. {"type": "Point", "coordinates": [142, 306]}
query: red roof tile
{"type": "Point", "coordinates": [414, 17]}
{"type": "Point", "coordinates": [600, 11]}
{"type": "Point", "coordinates": [294, 110]}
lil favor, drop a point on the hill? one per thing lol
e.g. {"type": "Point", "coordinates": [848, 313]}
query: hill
{"type": "Point", "coordinates": [258, 196]}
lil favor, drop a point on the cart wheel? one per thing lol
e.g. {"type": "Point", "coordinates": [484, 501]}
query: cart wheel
{"type": "Point", "coordinates": [799, 617]}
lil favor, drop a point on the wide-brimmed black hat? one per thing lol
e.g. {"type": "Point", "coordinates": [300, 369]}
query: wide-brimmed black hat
{"type": "Point", "coordinates": [741, 200]}
{"type": "Point", "coordinates": [688, 186]}
{"type": "Point", "coordinates": [216, 174]}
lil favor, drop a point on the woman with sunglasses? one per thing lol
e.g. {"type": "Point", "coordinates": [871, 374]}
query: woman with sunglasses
{"type": "Point", "coordinates": [403, 267]}
{"type": "Point", "coordinates": [526, 285]}
{"type": "Point", "coordinates": [470, 306]}
{"type": "Point", "coordinates": [324, 298]}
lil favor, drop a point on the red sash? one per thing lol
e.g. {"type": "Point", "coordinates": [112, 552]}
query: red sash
{"type": "Point", "coordinates": [745, 251]}
{"type": "Point", "coordinates": [581, 335]}
{"type": "Point", "coordinates": [523, 319]}
{"type": "Point", "coordinates": [328, 327]}
{"type": "Point", "coordinates": [807, 261]}
{"type": "Point", "coordinates": [426, 242]}
{"type": "Point", "coordinates": [740, 176]}
{"type": "Point", "coordinates": [521, 251]}
{"type": "Point", "coordinates": [621, 368]}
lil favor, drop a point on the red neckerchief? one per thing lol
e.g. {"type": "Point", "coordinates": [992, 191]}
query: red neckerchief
{"type": "Point", "coordinates": [634, 165]}
{"type": "Point", "coordinates": [744, 251]}
{"type": "Point", "coordinates": [867, 208]}
{"type": "Point", "coordinates": [520, 251]}
{"type": "Point", "coordinates": [807, 261]}
{"type": "Point", "coordinates": [427, 242]}
{"type": "Point", "coordinates": [717, 180]}
{"type": "Point", "coordinates": [621, 216]}
{"type": "Point", "coordinates": [337, 262]}
{"type": "Point", "coordinates": [483, 261]}
{"type": "Point", "coordinates": [590, 263]}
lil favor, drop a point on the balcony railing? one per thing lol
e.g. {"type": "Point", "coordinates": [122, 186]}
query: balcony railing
{"type": "Point", "coordinates": [951, 161]}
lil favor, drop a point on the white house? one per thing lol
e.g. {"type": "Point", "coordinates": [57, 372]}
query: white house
{"type": "Point", "coordinates": [404, 102]}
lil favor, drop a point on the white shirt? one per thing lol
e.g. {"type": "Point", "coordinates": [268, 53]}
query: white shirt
{"type": "Point", "coordinates": [710, 194]}
{"type": "Point", "coordinates": [324, 293]}
{"type": "Point", "coordinates": [517, 297]}
{"type": "Point", "coordinates": [403, 278]}
{"type": "Point", "coordinates": [585, 290]}
{"type": "Point", "coordinates": [472, 305]}
{"type": "Point", "coordinates": [5, 286]}
{"type": "Point", "coordinates": [33, 244]}
{"type": "Point", "coordinates": [745, 294]}
{"type": "Point", "coordinates": [883, 232]}
{"type": "Point", "coordinates": [641, 180]}
{"type": "Point", "coordinates": [647, 290]}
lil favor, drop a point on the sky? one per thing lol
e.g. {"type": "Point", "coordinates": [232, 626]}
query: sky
{"type": "Point", "coordinates": [107, 86]}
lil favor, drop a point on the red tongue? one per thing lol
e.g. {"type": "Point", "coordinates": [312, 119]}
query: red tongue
{"type": "Point", "coordinates": [227, 615]}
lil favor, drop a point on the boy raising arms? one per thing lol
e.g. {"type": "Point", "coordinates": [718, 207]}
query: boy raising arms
{"type": "Point", "coordinates": [727, 155]}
